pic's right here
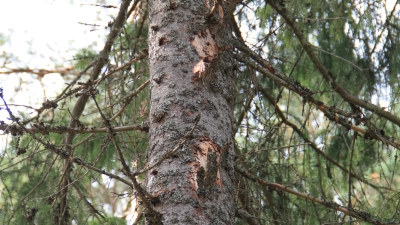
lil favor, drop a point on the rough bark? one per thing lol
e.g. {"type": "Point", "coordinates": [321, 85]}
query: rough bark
{"type": "Point", "coordinates": [191, 74]}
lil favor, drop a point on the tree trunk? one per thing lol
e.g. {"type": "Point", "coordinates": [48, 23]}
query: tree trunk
{"type": "Point", "coordinates": [191, 74]}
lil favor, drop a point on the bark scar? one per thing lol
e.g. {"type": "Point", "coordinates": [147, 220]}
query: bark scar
{"type": "Point", "coordinates": [206, 169]}
{"type": "Point", "coordinates": [207, 48]}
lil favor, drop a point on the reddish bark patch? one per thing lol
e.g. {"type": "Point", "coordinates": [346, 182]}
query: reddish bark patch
{"type": "Point", "coordinates": [162, 192]}
{"type": "Point", "coordinates": [205, 146]}
{"type": "Point", "coordinates": [188, 113]}
{"type": "Point", "coordinates": [207, 48]}
{"type": "Point", "coordinates": [206, 168]}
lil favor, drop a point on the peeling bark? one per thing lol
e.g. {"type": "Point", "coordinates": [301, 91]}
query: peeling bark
{"type": "Point", "coordinates": [196, 185]}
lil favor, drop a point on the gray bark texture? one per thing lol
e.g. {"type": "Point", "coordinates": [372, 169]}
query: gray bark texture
{"type": "Point", "coordinates": [191, 69]}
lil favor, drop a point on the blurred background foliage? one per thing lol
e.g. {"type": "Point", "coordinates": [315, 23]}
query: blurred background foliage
{"type": "Point", "coordinates": [281, 138]}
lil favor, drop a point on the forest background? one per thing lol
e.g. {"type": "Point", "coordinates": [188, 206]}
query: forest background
{"type": "Point", "coordinates": [312, 146]}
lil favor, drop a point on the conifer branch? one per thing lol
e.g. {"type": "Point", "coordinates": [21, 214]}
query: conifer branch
{"type": "Point", "coordinates": [364, 216]}
{"type": "Point", "coordinates": [333, 114]}
{"type": "Point", "coordinates": [326, 74]}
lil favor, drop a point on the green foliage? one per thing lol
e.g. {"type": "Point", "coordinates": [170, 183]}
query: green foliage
{"type": "Point", "coordinates": [83, 58]}
{"type": "Point", "coordinates": [33, 178]}
{"type": "Point", "coordinates": [339, 147]}
{"type": "Point", "coordinates": [352, 42]}
{"type": "Point", "coordinates": [3, 39]}
{"type": "Point", "coordinates": [31, 181]}
{"type": "Point", "coordinates": [109, 221]}
{"type": "Point", "coordinates": [281, 137]}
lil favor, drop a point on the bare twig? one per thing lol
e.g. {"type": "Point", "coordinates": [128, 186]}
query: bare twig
{"type": "Point", "coordinates": [100, 62]}
{"type": "Point", "coordinates": [129, 98]}
{"type": "Point", "coordinates": [143, 194]}
{"type": "Point", "coordinates": [39, 72]}
{"type": "Point", "coordinates": [295, 86]}
{"type": "Point", "coordinates": [187, 137]}
{"type": "Point", "coordinates": [21, 201]}
{"type": "Point", "coordinates": [42, 128]}
{"type": "Point", "coordinates": [92, 209]}
{"type": "Point", "coordinates": [326, 74]}
{"type": "Point", "coordinates": [365, 216]}
{"type": "Point", "coordinates": [243, 214]}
